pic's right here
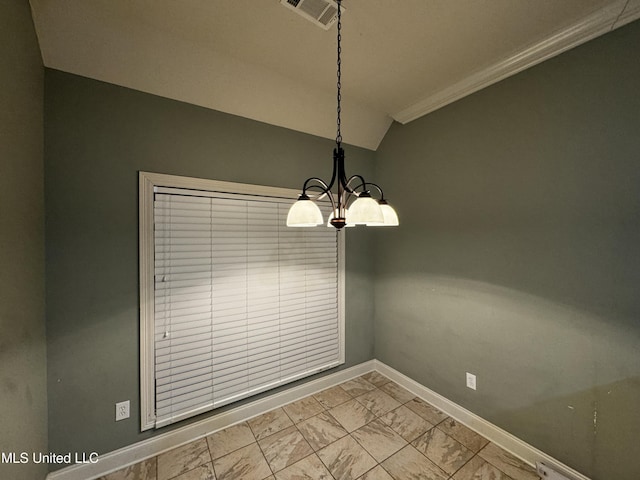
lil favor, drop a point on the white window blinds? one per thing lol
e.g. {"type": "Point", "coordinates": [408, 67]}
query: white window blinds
{"type": "Point", "coordinates": [242, 303]}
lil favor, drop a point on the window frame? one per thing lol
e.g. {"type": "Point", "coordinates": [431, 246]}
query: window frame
{"type": "Point", "coordinates": [148, 181]}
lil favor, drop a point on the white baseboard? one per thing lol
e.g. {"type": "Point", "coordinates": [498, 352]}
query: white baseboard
{"type": "Point", "coordinates": [501, 438]}
{"type": "Point", "coordinates": [139, 451]}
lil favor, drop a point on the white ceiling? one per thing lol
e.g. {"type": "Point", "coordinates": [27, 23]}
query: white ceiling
{"type": "Point", "coordinates": [258, 59]}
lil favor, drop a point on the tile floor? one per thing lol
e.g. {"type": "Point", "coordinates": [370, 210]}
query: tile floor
{"type": "Point", "coordinates": [368, 428]}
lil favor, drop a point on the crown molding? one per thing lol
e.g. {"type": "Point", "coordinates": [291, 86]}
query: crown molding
{"type": "Point", "coordinates": [590, 27]}
{"type": "Point", "coordinates": [630, 13]}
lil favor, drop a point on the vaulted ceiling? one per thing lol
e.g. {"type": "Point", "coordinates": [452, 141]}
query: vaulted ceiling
{"type": "Point", "coordinates": [258, 59]}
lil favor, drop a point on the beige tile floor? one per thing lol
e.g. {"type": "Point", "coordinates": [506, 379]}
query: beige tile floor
{"type": "Point", "coordinates": [368, 428]}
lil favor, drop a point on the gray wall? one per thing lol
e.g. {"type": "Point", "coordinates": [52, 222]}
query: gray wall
{"type": "Point", "coordinates": [518, 254]}
{"type": "Point", "coordinates": [98, 136]}
{"type": "Point", "coordinates": [23, 396]}
{"type": "Point", "coordinates": [517, 258]}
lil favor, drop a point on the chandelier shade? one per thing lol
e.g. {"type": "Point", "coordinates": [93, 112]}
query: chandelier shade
{"type": "Point", "coordinates": [364, 211]}
{"type": "Point", "coordinates": [390, 216]}
{"type": "Point", "coordinates": [304, 213]}
{"type": "Point", "coordinates": [351, 203]}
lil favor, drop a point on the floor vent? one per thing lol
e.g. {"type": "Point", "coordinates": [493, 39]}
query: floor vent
{"type": "Point", "coordinates": [323, 13]}
{"type": "Point", "coordinates": [548, 473]}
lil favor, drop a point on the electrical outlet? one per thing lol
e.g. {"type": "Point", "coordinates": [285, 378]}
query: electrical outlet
{"type": "Point", "coordinates": [122, 410]}
{"type": "Point", "coordinates": [471, 381]}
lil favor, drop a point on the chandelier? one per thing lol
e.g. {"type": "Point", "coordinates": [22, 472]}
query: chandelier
{"type": "Point", "coordinates": [352, 204]}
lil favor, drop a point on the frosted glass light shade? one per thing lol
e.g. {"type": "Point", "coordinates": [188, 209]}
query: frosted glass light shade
{"type": "Point", "coordinates": [304, 213]}
{"type": "Point", "coordinates": [390, 216]}
{"type": "Point", "coordinates": [364, 210]}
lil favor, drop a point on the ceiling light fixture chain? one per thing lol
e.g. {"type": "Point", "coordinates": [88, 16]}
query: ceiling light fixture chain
{"type": "Point", "coordinates": [350, 205]}
{"type": "Point", "coordinates": [339, 75]}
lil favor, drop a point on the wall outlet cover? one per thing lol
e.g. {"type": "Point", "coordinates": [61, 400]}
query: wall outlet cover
{"type": "Point", "coordinates": [122, 410]}
{"type": "Point", "coordinates": [471, 381]}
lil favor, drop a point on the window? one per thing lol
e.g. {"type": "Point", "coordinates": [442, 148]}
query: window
{"type": "Point", "coordinates": [232, 302]}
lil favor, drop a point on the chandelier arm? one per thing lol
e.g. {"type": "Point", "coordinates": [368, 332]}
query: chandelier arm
{"type": "Point", "coordinates": [376, 186]}
{"type": "Point", "coordinates": [336, 168]}
{"type": "Point", "coordinates": [324, 189]}
{"type": "Point", "coordinates": [352, 190]}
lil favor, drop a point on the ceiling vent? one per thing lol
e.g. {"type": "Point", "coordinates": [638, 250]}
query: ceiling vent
{"type": "Point", "coordinates": [323, 13]}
